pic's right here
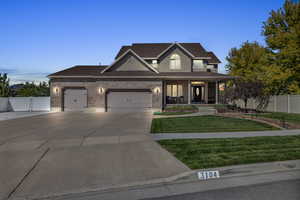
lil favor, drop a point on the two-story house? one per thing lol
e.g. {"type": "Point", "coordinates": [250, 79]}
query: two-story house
{"type": "Point", "coordinates": [143, 76]}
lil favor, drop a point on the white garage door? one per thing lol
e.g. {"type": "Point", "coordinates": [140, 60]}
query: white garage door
{"type": "Point", "coordinates": [75, 99]}
{"type": "Point", "coordinates": [129, 101]}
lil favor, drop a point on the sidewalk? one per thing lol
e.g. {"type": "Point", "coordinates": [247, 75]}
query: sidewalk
{"type": "Point", "coordinates": [16, 115]}
{"type": "Point", "coordinates": [167, 136]}
{"type": "Point", "coordinates": [232, 176]}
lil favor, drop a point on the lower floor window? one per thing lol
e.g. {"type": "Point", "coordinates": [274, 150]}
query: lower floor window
{"type": "Point", "coordinates": [174, 90]}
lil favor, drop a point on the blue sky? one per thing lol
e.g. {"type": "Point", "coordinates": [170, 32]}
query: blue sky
{"type": "Point", "coordinates": [38, 37]}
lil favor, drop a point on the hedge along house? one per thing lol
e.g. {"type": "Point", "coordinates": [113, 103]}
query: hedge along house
{"type": "Point", "coordinates": [144, 76]}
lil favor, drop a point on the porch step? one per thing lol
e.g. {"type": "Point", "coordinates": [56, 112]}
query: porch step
{"type": "Point", "coordinates": [209, 110]}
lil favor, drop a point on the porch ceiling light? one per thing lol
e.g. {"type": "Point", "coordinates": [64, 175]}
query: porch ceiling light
{"type": "Point", "coordinates": [101, 90]}
{"type": "Point", "coordinates": [197, 83]}
{"type": "Point", "coordinates": [156, 90]}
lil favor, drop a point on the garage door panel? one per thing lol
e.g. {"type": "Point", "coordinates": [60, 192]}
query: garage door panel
{"type": "Point", "coordinates": [129, 101]}
{"type": "Point", "coordinates": [75, 99]}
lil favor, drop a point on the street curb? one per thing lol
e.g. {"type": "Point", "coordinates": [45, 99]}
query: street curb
{"type": "Point", "coordinates": [173, 179]}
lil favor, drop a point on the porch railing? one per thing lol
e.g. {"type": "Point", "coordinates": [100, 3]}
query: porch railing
{"type": "Point", "coordinates": [175, 100]}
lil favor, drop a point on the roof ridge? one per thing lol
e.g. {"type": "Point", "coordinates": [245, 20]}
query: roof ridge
{"type": "Point", "coordinates": [154, 43]}
{"type": "Point", "coordinates": [90, 65]}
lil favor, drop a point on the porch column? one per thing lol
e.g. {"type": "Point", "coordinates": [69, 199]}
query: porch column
{"type": "Point", "coordinates": [206, 92]}
{"type": "Point", "coordinates": [189, 92]}
{"type": "Point", "coordinates": [217, 92]}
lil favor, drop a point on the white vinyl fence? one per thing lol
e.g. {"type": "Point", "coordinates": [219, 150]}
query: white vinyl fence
{"type": "Point", "coordinates": [281, 103]}
{"type": "Point", "coordinates": [4, 104]}
{"type": "Point", "coordinates": [24, 104]}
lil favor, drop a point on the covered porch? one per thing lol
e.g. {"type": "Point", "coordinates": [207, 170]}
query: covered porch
{"type": "Point", "coordinates": [192, 91]}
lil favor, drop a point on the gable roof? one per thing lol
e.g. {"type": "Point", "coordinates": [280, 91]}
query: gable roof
{"type": "Point", "coordinates": [179, 46]}
{"type": "Point", "coordinates": [130, 51]}
{"type": "Point", "coordinates": [155, 50]}
{"type": "Point", "coordinates": [214, 59]}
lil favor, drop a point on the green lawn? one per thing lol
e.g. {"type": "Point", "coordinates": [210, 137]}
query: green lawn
{"type": "Point", "coordinates": [209, 123]}
{"type": "Point", "coordinates": [209, 153]}
{"type": "Point", "coordinates": [289, 117]}
{"type": "Point", "coordinates": [172, 113]}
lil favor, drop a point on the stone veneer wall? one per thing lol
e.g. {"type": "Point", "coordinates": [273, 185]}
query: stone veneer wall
{"type": "Point", "coordinates": [96, 101]}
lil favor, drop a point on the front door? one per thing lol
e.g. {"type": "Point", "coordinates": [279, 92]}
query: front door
{"type": "Point", "coordinates": [197, 94]}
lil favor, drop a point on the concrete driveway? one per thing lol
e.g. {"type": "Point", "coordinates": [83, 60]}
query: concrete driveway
{"type": "Point", "coordinates": [60, 153]}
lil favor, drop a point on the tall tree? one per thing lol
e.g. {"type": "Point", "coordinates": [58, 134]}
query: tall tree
{"type": "Point", "coordinates": [282, 34]}
{"type": "Point", "coordinates": [4, 85]}
{"type": "Point", "coordinates": [31, 89]}
{"type": "Point", "coordinates": [250, 64]}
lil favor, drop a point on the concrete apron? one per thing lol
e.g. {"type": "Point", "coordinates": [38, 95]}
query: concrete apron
{"type": "Point", "coordinates": [100, 167]}
{"type": "Point", "coordinates": [54, 166]}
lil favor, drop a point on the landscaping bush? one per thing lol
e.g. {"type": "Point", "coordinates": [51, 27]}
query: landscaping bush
{"type": "Point", "coordinates": [221, 108]}
{"type": "Point", "coordinates": [181, 108]}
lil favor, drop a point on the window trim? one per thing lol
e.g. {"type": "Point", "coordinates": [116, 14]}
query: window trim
{"type": "Point", "coordinates": [203, 66]}
{"type": "Point", "coordinates": [154, 63]}
{"type": "Point", "coordinates": [175, 62]}
{"type": "Point", "coordinates": [176, 88]}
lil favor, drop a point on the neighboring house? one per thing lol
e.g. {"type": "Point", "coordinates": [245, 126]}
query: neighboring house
{"type": "Point", "coordinates": [143, 76]}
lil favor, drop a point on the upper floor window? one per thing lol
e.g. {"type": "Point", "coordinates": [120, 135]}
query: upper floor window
{"type": "Point", "coordinates": [154, 63]}
{"type": "Point", "coordinates": [175, 62]}
{"type": "Point", "coordinates": [212, 68]}
{"type": "Point", "coordinates": [198, 64]}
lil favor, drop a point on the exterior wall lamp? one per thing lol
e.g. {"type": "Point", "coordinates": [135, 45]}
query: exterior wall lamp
{"type": "Point", "coordinates": [156, 90]}
{"type": "Point", "coordinates": [101, 90]}
{"type": "Point", "coordinates": [56, 91]}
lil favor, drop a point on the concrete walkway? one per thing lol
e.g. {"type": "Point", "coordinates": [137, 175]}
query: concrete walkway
{"type": "Point", "coordinates": [71, 152]}
{"type": "Point", "coordinates": [166, 136]}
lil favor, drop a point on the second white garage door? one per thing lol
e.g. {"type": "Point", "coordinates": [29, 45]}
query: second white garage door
{"type": "Point", "coordinates": [129, 101]}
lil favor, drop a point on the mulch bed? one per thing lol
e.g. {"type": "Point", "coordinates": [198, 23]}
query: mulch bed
{"type": "Point", "coordinates": [273, 122]}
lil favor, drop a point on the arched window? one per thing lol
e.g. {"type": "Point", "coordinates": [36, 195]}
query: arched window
{"type": "Point", "coordinates": [175, 62]}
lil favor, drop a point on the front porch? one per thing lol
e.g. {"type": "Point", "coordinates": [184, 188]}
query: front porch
{"type": "Point", "coordinates": [191, 92]}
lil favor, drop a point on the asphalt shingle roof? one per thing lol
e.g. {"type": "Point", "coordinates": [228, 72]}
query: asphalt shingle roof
{"type": "Point", "coordinates": [81, 70]}
{"type": "Point", "coordinates": [144, 50]}
{"type": "Point", "coordinates": [96, 71]}
{"type": "Point", "coordinates": [152, 50]}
